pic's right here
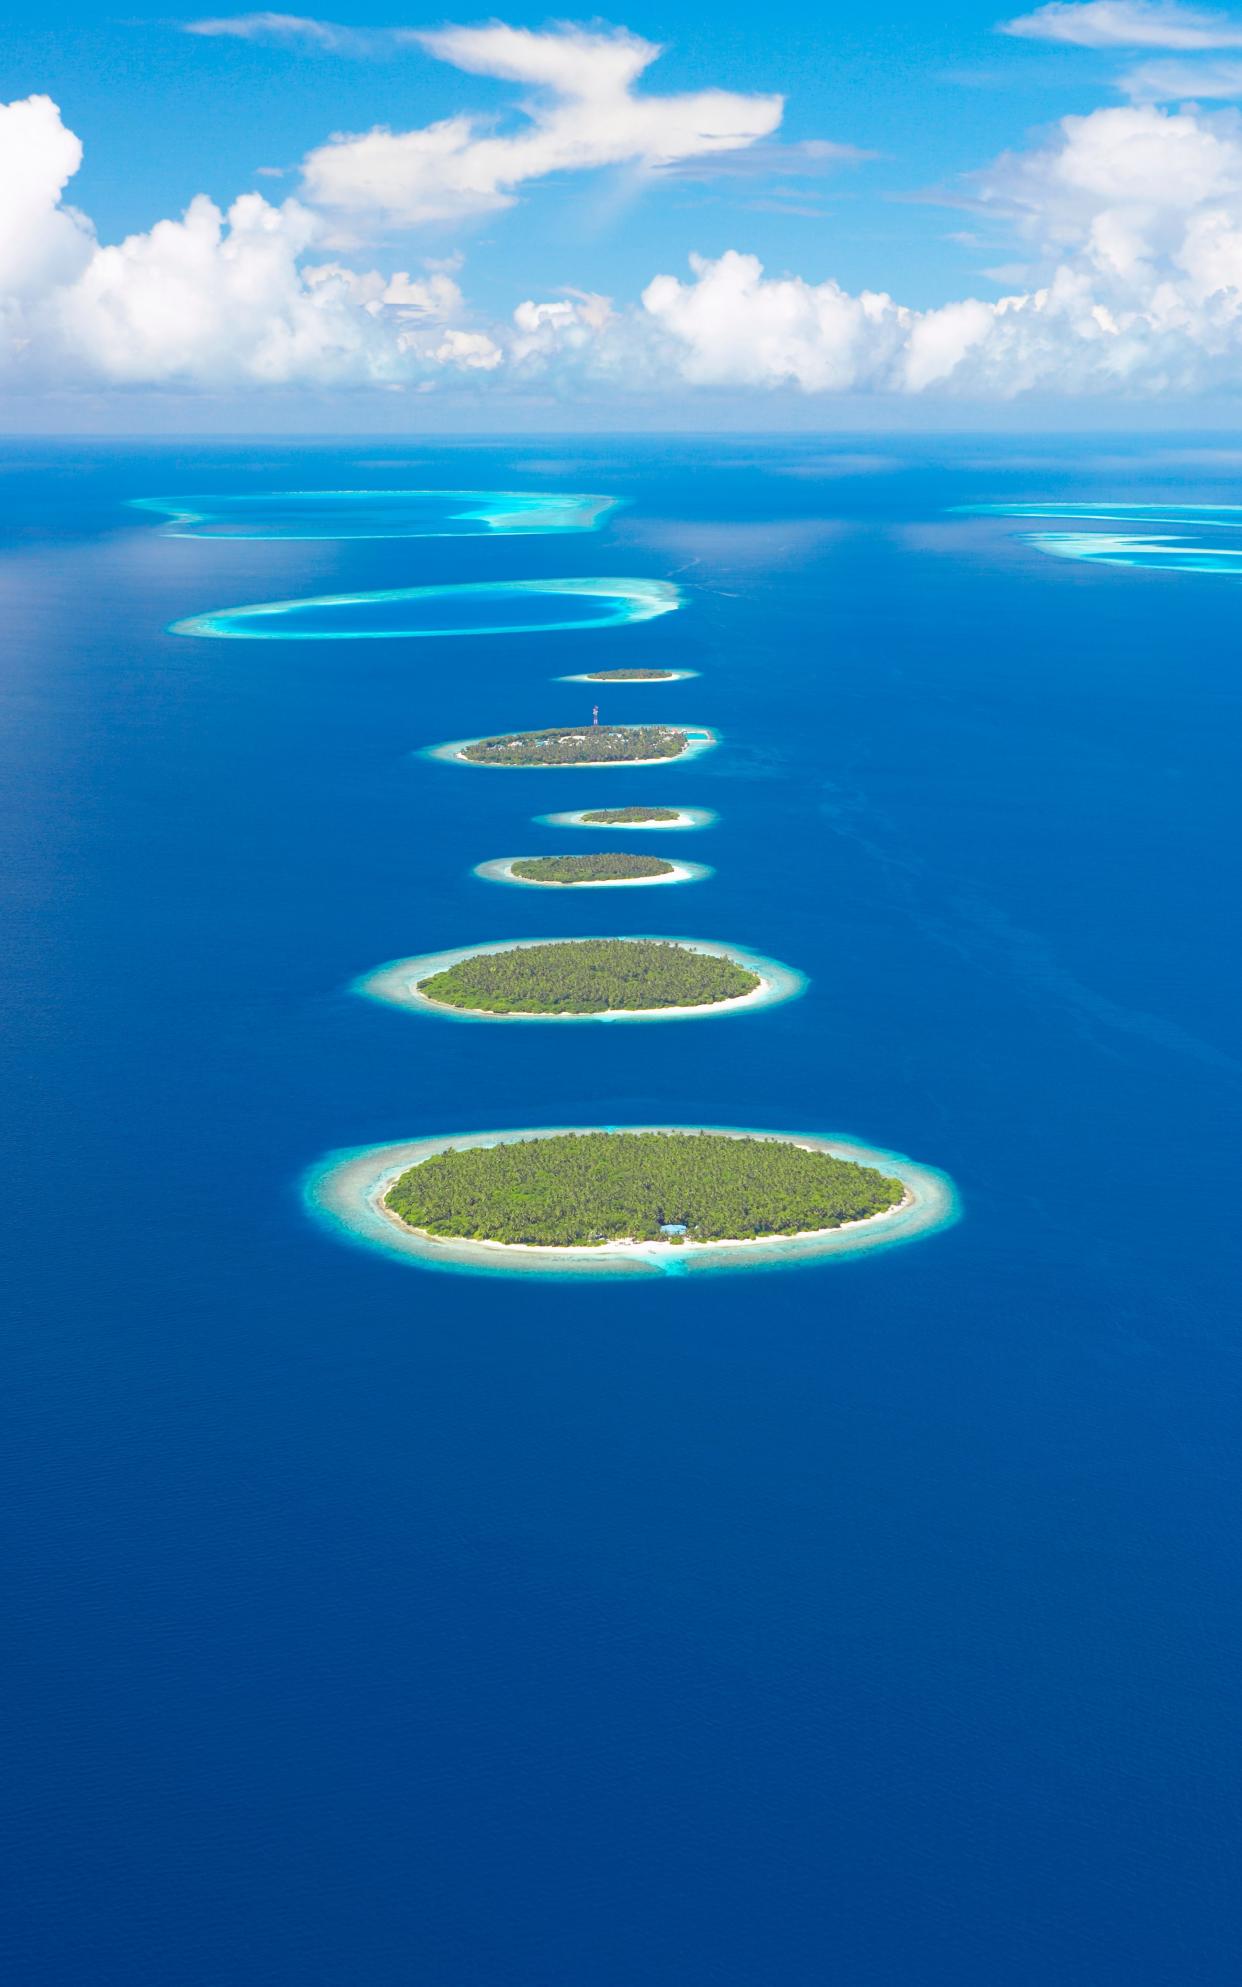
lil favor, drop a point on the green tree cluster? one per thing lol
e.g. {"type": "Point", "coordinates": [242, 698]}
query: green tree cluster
{"type": "Point", "coordinates": [588, 745]}
{"type": "Point", "coordinates": [586, 1188]}
{"type": "Point", "coordinates": [622, 817]}
{"type": "Point", "coordinates": [589, 869]}
{"type": "Point", "coordinates": [589, 976]}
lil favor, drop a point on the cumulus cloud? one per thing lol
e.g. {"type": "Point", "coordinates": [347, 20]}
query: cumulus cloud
{"type": "Point", "coordinates": [1127, 24]}
{"type": "Point", "coordinates": [41, 240]}
{"type": "Point", "coordinates": [1135, 215]}
{"type": "Point", "coordinates": [1130, 220]}
{"type": "Point", "coordinates": [588, 114]}
{"type": "Point", "coordinates": [213, 299]}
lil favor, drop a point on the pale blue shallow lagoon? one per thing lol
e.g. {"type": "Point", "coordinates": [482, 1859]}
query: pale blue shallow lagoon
{"type": "Point", "coordinates": [872, 1620]}
{"type": "Point", "coordinates": [337, 514]}
{"type": "Point", "coordinates": [488, 607]}
{"type": "Point", "coordinates": [1188, 538]}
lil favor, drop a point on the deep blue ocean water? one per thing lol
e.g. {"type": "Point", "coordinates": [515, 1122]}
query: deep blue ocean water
{"type": "Point", "coordinates": [874, 1622]}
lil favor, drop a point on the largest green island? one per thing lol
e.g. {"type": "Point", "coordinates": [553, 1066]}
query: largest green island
{"type": "Point", "coordinates": [638, 1199]}
{"type": "Point", "coordinates": [583, 1189]}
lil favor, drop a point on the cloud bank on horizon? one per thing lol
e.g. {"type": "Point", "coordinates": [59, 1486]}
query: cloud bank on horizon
{"type": "Point", "coordinates": [1127, 221]}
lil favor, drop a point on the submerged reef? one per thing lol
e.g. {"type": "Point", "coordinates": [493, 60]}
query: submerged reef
{"type": "Point", "coordinates": [517, 607]}
{"type": "Point", "coordinates": [320, 514]}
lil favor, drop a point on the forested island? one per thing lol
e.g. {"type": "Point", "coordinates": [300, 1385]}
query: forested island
{"type": "Point", "coordinates": [589, 976]}
{"type": "Point", "coordinates": [628, 817]}
{"type": "Point", "coordinates": [585, 1189]}
{"type": "Point", "coordinates": [587, 745]}
{"type": "Point", "coordinates": [589, 869]}
{"type": "Point", "coordinates": [629, 676]}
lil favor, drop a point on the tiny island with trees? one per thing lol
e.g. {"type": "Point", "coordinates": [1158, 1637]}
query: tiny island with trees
{"type": "Point", "coordinates": [630, 675]}
{"type": "Point", "coordinates": [589, 869]}
{"type": "Point", "coordinates": [588, 1189]}
{"type": "Point", "coordinates": [584, 745]}
{"type": "Point", "coordinates": [629, 817]}
{"type": "Point", "coordinates": [589, 976]}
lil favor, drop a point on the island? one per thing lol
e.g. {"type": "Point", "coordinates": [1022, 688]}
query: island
{"type": "Point", "coordinates": [587, 1189]}
{"type": "Point", "coordinates": [626, 1202]}
{"type": "Point", "coordinates": [589, 869]}
{"type": "Point", "coordinates": [630, 676]}
{"type": "Point", "coordinates": [590, 976]}
{"type": "Point", "coordinates": [629, 817]}
{"type": "Point", "coordinates": [620, 820]}
{"type": "Point", "coordinates": [586, 745]}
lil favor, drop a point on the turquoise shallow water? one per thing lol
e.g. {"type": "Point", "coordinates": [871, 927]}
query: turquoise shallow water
{"type": "Point", "coordinates": [487, 607]}
{"type": "Point", "coordinates": [345, 514]}
{"type": "Point", "coordinates": [1205, 540]}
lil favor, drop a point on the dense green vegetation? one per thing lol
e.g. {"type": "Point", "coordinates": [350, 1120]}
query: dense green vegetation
{"type": "Point", "coordinates": [590, 744]}
{"type": "Point", "coordinates": [629, 675]}
{"type": "Point", "coordinates": [588, 869]}
{"type": "Point", "coordinates": [589, 976]}
{"type": "Point", "coordinates": [596, 1187]}
{"type": "Point", "coordinates": [620, 817]}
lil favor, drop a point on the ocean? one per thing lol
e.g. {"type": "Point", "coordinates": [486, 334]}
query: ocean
{"type": "Point", "coordinates": [873, 1620]}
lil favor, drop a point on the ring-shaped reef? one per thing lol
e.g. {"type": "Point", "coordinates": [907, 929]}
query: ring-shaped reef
{"type": "Point", "coordinates": [628, 679]}
{"type": "Point", "coordinates": [761, 982]}
{"type": "Point", "coordinates": [561, 748]}
{"type": "Point", "coordinates": [347, 1193]}
{"type": "Point", "coordinates": [320, 514]}
{"type": "Point", "coordinates": [1200, 546]}
{"type": "Point", "coordinates": [623, 820]}
{"type": "Point", "coordinates": [501, 871]}
{"type": "Point", "coordinates": [517, 607]}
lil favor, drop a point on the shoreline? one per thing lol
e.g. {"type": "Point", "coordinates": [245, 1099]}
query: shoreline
{"type": "Point", "coordinates": [396, 985]}
{"type": "Point", "coordinates": [500, 870]}
{"type": "Point", "coordinates": [346, 1192]}
{"type": "Point", "coordinates": [598, 682]}
{"type": "Point", "coordinates": [699, 738]}
{"type": "Point", "coordinates": [687, 817]}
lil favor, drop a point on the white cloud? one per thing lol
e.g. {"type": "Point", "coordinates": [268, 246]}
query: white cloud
{"type": "Point", "coordinates": [1171, 81]}
{"type": "Point", "coordinates": [807, 158]}
{"type": "Point", "coordinates": [211, 300]}
{"type": "Point", "coordinates": [278, 28]}
{"type": "Point", "coordinates": [588, 115]}
{"type": "Point", "coordinates": [1127, 24]}
{"type": "Point", "coordinates": [1136, 216]}
{"type": "Point", "coordinates": [1130, 221]}
{"type": "Point", "coordinates": [41, 240]}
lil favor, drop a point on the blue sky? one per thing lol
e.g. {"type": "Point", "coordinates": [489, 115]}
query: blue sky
{"type": "Point", "coordinates": [499, 219]}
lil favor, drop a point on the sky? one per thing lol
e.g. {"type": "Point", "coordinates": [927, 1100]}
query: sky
{"type": "Point", "coordinates": [682, 215]}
